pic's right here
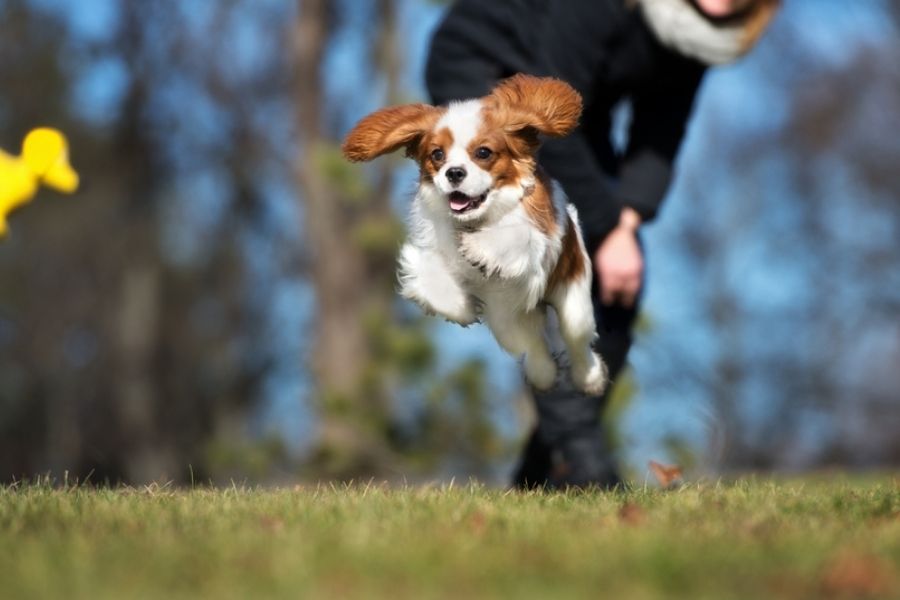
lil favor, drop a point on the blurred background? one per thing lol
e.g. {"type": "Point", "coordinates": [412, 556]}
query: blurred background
{"type": "Point", "coordinates": [217, 302]}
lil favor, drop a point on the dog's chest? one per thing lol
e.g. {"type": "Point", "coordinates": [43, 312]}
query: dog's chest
{"type": "Point", "coordinates": [504, 257]}
{"type": "Point", "coordinates": [507, 258]}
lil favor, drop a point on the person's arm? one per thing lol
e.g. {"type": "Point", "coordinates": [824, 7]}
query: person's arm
{"type": "Point", "coordinates": [659, 119]}
{"type": "Point", "coordinates": [574, 46]}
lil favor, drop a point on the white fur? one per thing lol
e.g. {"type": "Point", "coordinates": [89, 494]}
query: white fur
{"type": "Point", "coordinates": [494, 263]}
{"type": "Point", "coordinates": [680, 26]}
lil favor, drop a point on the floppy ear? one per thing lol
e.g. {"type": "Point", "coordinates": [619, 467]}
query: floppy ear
{"type": "Point", "coordinates": [548, 105]}
{"type": "Point", "coordinates": [388, 130]}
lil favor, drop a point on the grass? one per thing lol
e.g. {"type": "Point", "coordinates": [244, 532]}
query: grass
{"type": "Point", "coordinates": [750, 539]}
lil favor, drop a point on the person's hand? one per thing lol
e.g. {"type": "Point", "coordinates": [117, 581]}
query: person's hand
{"type": "Point", "coordinates": [619, 263]}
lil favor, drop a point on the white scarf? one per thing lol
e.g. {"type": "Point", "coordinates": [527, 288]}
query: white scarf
{"type": "Point", "coordinates": [680, 27]}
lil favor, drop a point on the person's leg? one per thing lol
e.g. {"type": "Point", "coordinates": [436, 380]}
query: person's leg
{"type": "Point", "coordinates": [567, 446]}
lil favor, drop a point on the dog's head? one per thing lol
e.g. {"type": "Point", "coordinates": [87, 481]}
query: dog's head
{"type": "Point", "coordinates": [475, 157]}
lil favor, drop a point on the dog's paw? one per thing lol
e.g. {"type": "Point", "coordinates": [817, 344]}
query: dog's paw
{"type": "Point", "coordinates": [476, 250]}
{"type": "Point", "coordinates": [424, 279]}
{"type": "Point", "coordinates": [592, 377]}
{"type": "Point", "coordinates": [540, 370]}
{"type": "Point", "coordinates": [464, 316]}
{"type": "Point", "coordinates": [474, 254]}
{"type": "Point", "coordinates": [462, 313]}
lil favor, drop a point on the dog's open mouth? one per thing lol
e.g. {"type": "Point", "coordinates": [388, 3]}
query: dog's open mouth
{"type": "Point", "coordinates": [460, 203]}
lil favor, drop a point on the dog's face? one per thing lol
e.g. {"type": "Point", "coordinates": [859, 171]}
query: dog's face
{"type": "Point", "coordinates": [475, 157]}
{"type": "Point", "coordinates": [464, 159]}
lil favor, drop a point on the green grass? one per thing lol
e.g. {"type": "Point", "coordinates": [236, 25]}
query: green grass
{"type": "Point", "coordinates": [750, 539]}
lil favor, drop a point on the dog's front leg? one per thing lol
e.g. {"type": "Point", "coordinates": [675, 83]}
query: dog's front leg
{"type": "Point", "coordinates": [426, 280]}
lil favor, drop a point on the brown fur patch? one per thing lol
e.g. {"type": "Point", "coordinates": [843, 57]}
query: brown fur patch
{"type": "Point", "coordinates": [571, 264]}
{"type": "Point", "coordinates": [505, 164]}
{"type": "Point", "coordinates": [539, 205]}
{"type": "Point", "coordinates": [512, 158]}
{"type": "Point", "coordinates": [390, 129]}
{"type": "Point", "coordinates": [513, 114]}
{"type": "Point", "coordinates": [513, 148]}
{"type": "Point", "coordinates": [549, 105]}
{"type": "Point", "coordinates": [431, 141]}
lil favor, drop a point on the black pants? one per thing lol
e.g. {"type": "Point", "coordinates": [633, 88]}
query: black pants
{"type": "Point", "coordinates": [567, 446]}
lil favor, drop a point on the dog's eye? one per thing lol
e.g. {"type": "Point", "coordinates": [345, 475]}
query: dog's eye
{"type": "Point", "coordinates": [483, 153]}
{"type": "Point", "coordinates": [437, 155]}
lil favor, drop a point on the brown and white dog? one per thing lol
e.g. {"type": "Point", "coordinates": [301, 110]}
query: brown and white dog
{"type": "Point", "coordinates": [490, 236]}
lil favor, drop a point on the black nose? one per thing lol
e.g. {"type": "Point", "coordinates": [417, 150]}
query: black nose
{"type": "Point", "coordinates": [455, 175]}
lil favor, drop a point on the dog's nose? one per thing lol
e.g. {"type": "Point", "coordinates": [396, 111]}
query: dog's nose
{"type": "Point", "coordinates": [455, 175]}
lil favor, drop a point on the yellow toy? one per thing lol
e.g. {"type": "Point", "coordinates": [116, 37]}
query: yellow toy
{"type": "Point", "coordinates": [44, 160]}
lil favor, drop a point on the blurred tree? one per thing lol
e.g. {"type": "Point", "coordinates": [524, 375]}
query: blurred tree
{"type": "Point", "coordinates": [118, 360]}
{"type": "Point", "coordinates": [336, 209]}
{"type": "Point", "coordinates": [141, 322]}
{"type": "Point", "coordinates": [367, 347]}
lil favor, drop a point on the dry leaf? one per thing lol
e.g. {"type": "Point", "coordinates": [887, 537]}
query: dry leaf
{"type": "Point", "coordinates": [478, 522]}
{"type": "Point", "coordinates": [271, 524]}
{"type": "Point", "coordinates": [858, 576]}
{"type": "Point", "coordinates": [632, 514]}
{"type": "Point", "coordinates": [667, 475]}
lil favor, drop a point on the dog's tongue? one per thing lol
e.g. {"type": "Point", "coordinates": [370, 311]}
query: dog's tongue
{"type": "Point", "coordinates": [459, 201]}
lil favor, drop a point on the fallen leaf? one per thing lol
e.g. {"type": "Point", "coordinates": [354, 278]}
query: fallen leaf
{"type": "Point", "coordinates": [478, 522]}
{"type": "Point", "coordinates": [668, 476]}
{"type": "Point", "coordinates": [632, 514]}
{"type": "Point", "coordinates": [271, 524]}
{"type": "Point", "coordinates": [858, 576]}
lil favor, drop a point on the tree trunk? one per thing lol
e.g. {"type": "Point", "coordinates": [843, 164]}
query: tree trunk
{"type": "Point", "coordinates": [339, 350]}
{"type": "Point", "coordinates": [350, 238]}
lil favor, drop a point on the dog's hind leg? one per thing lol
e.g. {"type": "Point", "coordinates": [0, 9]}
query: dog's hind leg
{"type": "Point", "coordinates": [523, 333]}
{"type": "Point", "coordinates": [575, 313]}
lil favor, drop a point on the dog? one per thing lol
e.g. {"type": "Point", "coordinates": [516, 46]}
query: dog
{"type": "Point", "coordinates": [490, 236]}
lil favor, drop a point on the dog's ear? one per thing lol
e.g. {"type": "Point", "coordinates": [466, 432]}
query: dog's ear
{"type": "Point", "coordinates": [549, 106]}
{"type": "Point", "coordinates": [389, 129]}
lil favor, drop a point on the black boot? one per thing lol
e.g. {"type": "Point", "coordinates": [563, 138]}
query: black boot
{"type": "Point", "coordinates": [567, 448]}
{"type": "Point", "coordinates": [534, 467]}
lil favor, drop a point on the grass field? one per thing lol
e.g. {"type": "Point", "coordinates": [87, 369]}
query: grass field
{"type": "Point", "coordinates": [751, 539]}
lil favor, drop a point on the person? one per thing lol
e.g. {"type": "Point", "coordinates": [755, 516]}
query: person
{"type": "Point", "coordinates": [649, 54]}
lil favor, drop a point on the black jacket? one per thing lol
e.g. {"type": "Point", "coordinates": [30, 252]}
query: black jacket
{"type": "Point", "coordinates": [605, 51]}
